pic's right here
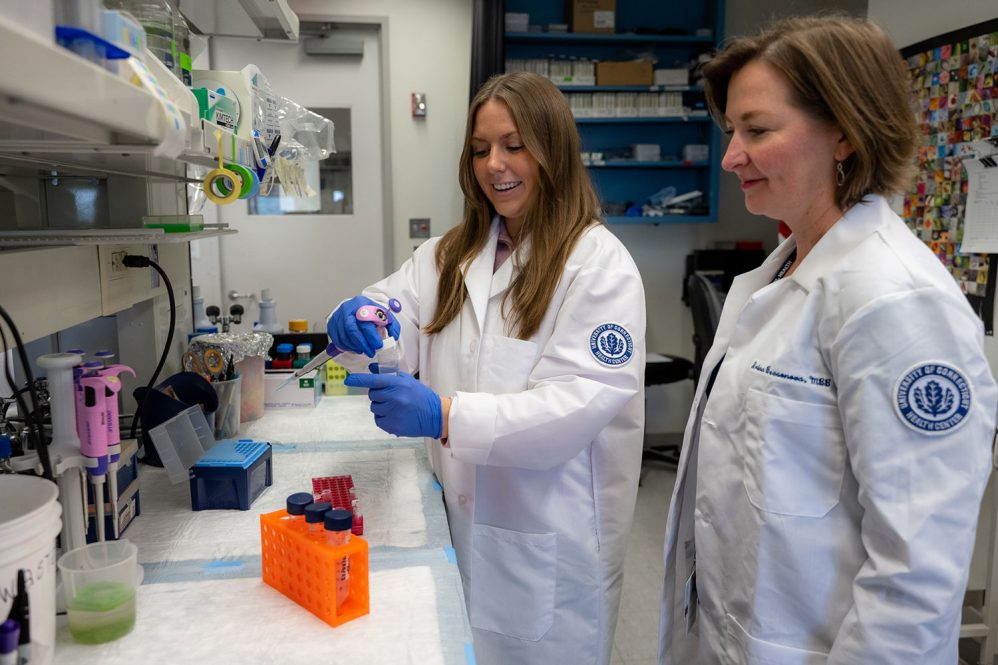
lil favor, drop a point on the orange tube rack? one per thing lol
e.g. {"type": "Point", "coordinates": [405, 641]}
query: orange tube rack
{"type": "Point", "coordinates": [303, 567]}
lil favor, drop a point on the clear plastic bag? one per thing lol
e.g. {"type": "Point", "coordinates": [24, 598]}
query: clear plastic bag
{"type": "Point", "coordinates": [305, 135]}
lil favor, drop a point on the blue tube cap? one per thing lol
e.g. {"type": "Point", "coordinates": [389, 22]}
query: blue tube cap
{"type": "Point", "coordinates": [285, 347]}
{"type": "Point", "coordinates": [315, 512]}
{"type": "Point", "coordinates": [297, 503]}
{"type": "Point", "coordinates": [10, 633]}
{"type": "Point", "coordinates": [338, 520]}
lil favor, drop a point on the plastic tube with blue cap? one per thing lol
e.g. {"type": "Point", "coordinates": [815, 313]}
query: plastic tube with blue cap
{"type": "Point", "coordinates": [10, 632]}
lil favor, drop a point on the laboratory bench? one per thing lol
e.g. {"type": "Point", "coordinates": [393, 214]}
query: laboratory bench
{"type": "Point", "coordinates": [202, 598]}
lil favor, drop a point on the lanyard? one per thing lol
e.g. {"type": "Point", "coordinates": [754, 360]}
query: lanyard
{"type": "Point", "coordinates": [786, 266]}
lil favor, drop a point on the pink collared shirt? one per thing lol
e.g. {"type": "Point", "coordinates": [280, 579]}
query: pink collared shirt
{"type": "Point", "coordinates": [504, 246]}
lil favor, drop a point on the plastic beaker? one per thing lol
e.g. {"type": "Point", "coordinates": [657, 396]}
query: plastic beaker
{"type": "Point", "coordinates": [227, 414]}
{"type": "Point", "coordinates": [100, 580]}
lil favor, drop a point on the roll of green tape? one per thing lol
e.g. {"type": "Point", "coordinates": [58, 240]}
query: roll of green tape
{"type": "Point", "coordinates": [245, 177]}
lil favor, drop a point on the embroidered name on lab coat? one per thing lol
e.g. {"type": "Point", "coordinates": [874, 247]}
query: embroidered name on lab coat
{"type": "Point", "coordinates": [611, 345]}
{"type": "Point", "coordinates": [933, 398]}
{"type": "Point", "coordinates": [809, 379]}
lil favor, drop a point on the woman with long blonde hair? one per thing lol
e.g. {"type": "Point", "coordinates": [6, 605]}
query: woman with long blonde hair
{"type": "Point", "coordinates": [526, 324]}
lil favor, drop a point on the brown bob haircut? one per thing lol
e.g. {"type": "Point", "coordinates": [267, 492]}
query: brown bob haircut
{"type": "Point", "coordinates": [564, 207]}
{"type": "Point", "coordinates": [844, 71]}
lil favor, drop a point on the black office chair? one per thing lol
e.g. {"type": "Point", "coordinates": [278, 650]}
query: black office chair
{"type": "Point", "coordinates": [669, 369]}
{"type": "Point", "coordinates": [705, 301]}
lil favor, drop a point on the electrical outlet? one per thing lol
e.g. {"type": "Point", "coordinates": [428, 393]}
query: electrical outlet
{"type": "Point", "coordinates": [121, 286]}
{"type": "Point", "coordinates": [118, 261]}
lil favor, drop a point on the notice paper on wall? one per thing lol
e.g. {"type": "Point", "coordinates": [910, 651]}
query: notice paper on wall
{"type": "Point", "coordinates": [980, 230]}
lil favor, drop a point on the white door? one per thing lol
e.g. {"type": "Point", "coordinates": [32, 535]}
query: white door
{"type": "Point", "coordinates": [310, 262]}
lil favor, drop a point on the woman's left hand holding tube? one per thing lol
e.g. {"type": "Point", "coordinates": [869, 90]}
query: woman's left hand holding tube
{"type": "Point", "coordinates": [401, 405]}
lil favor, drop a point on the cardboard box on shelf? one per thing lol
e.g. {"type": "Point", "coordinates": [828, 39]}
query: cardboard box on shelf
{"type": "Point", "coordinates": [517, 21]}
{"type": "Point", "coordinates": [674, 76]}
{"type": "Point", "coordinates": [592, 15]}
{"type": "Point", "coordinates": [635, 72]}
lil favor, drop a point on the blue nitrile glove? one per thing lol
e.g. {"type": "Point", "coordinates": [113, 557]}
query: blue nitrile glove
{"type": "Point", "coordinates": [401, 405]}
{"type": "Point", "coordinates": [349, 334]}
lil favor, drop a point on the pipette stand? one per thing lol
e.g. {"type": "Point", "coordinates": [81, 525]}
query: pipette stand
{"type": "Point", "coordinates": [64, 451]}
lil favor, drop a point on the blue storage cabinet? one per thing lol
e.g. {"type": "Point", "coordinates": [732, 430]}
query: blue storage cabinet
{"type": "Point", "coordinates": [621, 182]}
{"type": "Point", "coordinates": [231, 475]}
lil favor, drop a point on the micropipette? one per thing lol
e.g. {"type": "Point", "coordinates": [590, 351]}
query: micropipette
{"type": "Point", "coordinates": [365, 314]}
{"type": "Point", "coordinates": [93, 439]}
{"type": "Point", "coordinates": [111, 390]}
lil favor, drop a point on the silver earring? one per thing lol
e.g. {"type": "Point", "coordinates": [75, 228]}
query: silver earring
{"type": "Point", "coordinates": [840, 174]}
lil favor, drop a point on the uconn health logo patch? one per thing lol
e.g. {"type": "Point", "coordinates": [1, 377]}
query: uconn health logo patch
{"type": "Point", "coordinates": [933, 398]}
{"type": "Point", "coordinates": [611, 344]}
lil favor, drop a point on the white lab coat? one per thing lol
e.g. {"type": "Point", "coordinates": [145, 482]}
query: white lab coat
{"type": "Point", "coordinates": [540, 472]}
{"type": "Point", "coordinates": [825, 529]}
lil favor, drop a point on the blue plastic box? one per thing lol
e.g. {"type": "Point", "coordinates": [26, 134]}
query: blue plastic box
{"type": "Point", "coordinates": [231, 475]}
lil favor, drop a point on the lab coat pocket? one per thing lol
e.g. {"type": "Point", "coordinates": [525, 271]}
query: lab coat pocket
{"type": "Point", "coordinates": [505, 364]}
{"type": "Point", "coordinates": [795, 455]}
{"type": "Point", "coordinates": [513, 580]}
{"type": "Point", "coordinates": [743, 649]}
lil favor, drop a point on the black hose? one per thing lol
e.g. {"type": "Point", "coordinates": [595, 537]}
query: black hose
{"type": "Point", "coordinates": [135, 261]}
{"type": "Point", "coordinates": [30, 417]}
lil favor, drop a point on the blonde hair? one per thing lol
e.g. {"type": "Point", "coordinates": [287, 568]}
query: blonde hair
{"type": "Point", "coordinates": [564, 207]}
{"type": "Point", "coordinates": [846, 72]}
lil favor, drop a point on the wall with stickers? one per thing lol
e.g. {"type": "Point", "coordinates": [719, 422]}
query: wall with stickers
{"type": "Point", "coordinates": [953, 80]}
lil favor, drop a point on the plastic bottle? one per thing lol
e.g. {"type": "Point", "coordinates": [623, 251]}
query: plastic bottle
{"type": "Point", "coordinates": [283, 359]}
{"type": "Point", "coordinates": [197, 310]}
{"type": "Point", "coordinates": [182, 38]}
{"type": "Point", "coordinates": [156, 17]}
{"type": "Point", "coordinates": [296, 505]}
{"type": "Point", "coordinates": [84, 14]}
{"type": "Point", "coordinates": [268, 314]}
{"type": "Point", "coordinates": [387, 356]}
{"type": "Point", "coordinates": [303, 354]}
{"type": "Point", "coordinates": [104, 357]}
{"type": "Point", "coordinates": [315, 514]}
{"type": "Point", "coordinates": [337, 524]}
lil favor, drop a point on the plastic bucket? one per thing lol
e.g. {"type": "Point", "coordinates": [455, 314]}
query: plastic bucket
{"type": "Point", "coordinates": [30, 519]}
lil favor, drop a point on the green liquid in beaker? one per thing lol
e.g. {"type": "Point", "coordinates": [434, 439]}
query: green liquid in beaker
{"type": "Point", "coordinates": [102, 612]}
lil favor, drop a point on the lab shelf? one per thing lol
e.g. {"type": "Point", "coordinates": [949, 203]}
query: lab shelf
{"type": "Point", "coordinates": [42, 237]}
{"type": "Point", "coordinates": [625, 183]}
{"type": "Point", "coordinates": [692, 117]}
{"type": "Point", "coordinates": [619, 38]}
{"type": "Point", "coordinates": [630, 88]}
{"type": "Point", "coordinates": [81, 117]}
{"type": "Point", "coordinates": [76, 99]}
{"type": "Point", "coordinates": [632, 164]}
{"type": "Point", "coordinates": [661, 219]}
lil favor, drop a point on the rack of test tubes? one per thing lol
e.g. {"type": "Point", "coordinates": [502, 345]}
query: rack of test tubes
{"type": "Point", "coordinates": [339, 491]}
{"type": "Point", "coordinates": [309, 555]}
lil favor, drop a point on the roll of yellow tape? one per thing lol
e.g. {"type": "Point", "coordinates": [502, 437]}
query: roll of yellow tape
{"type": "Point", "coordinates": [222, 186]}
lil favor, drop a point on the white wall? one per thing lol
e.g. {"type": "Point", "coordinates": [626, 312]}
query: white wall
{"type": "Point", "coordinates": [429, 50]}
{"type": "Point", "coordinates": [912, 21]}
